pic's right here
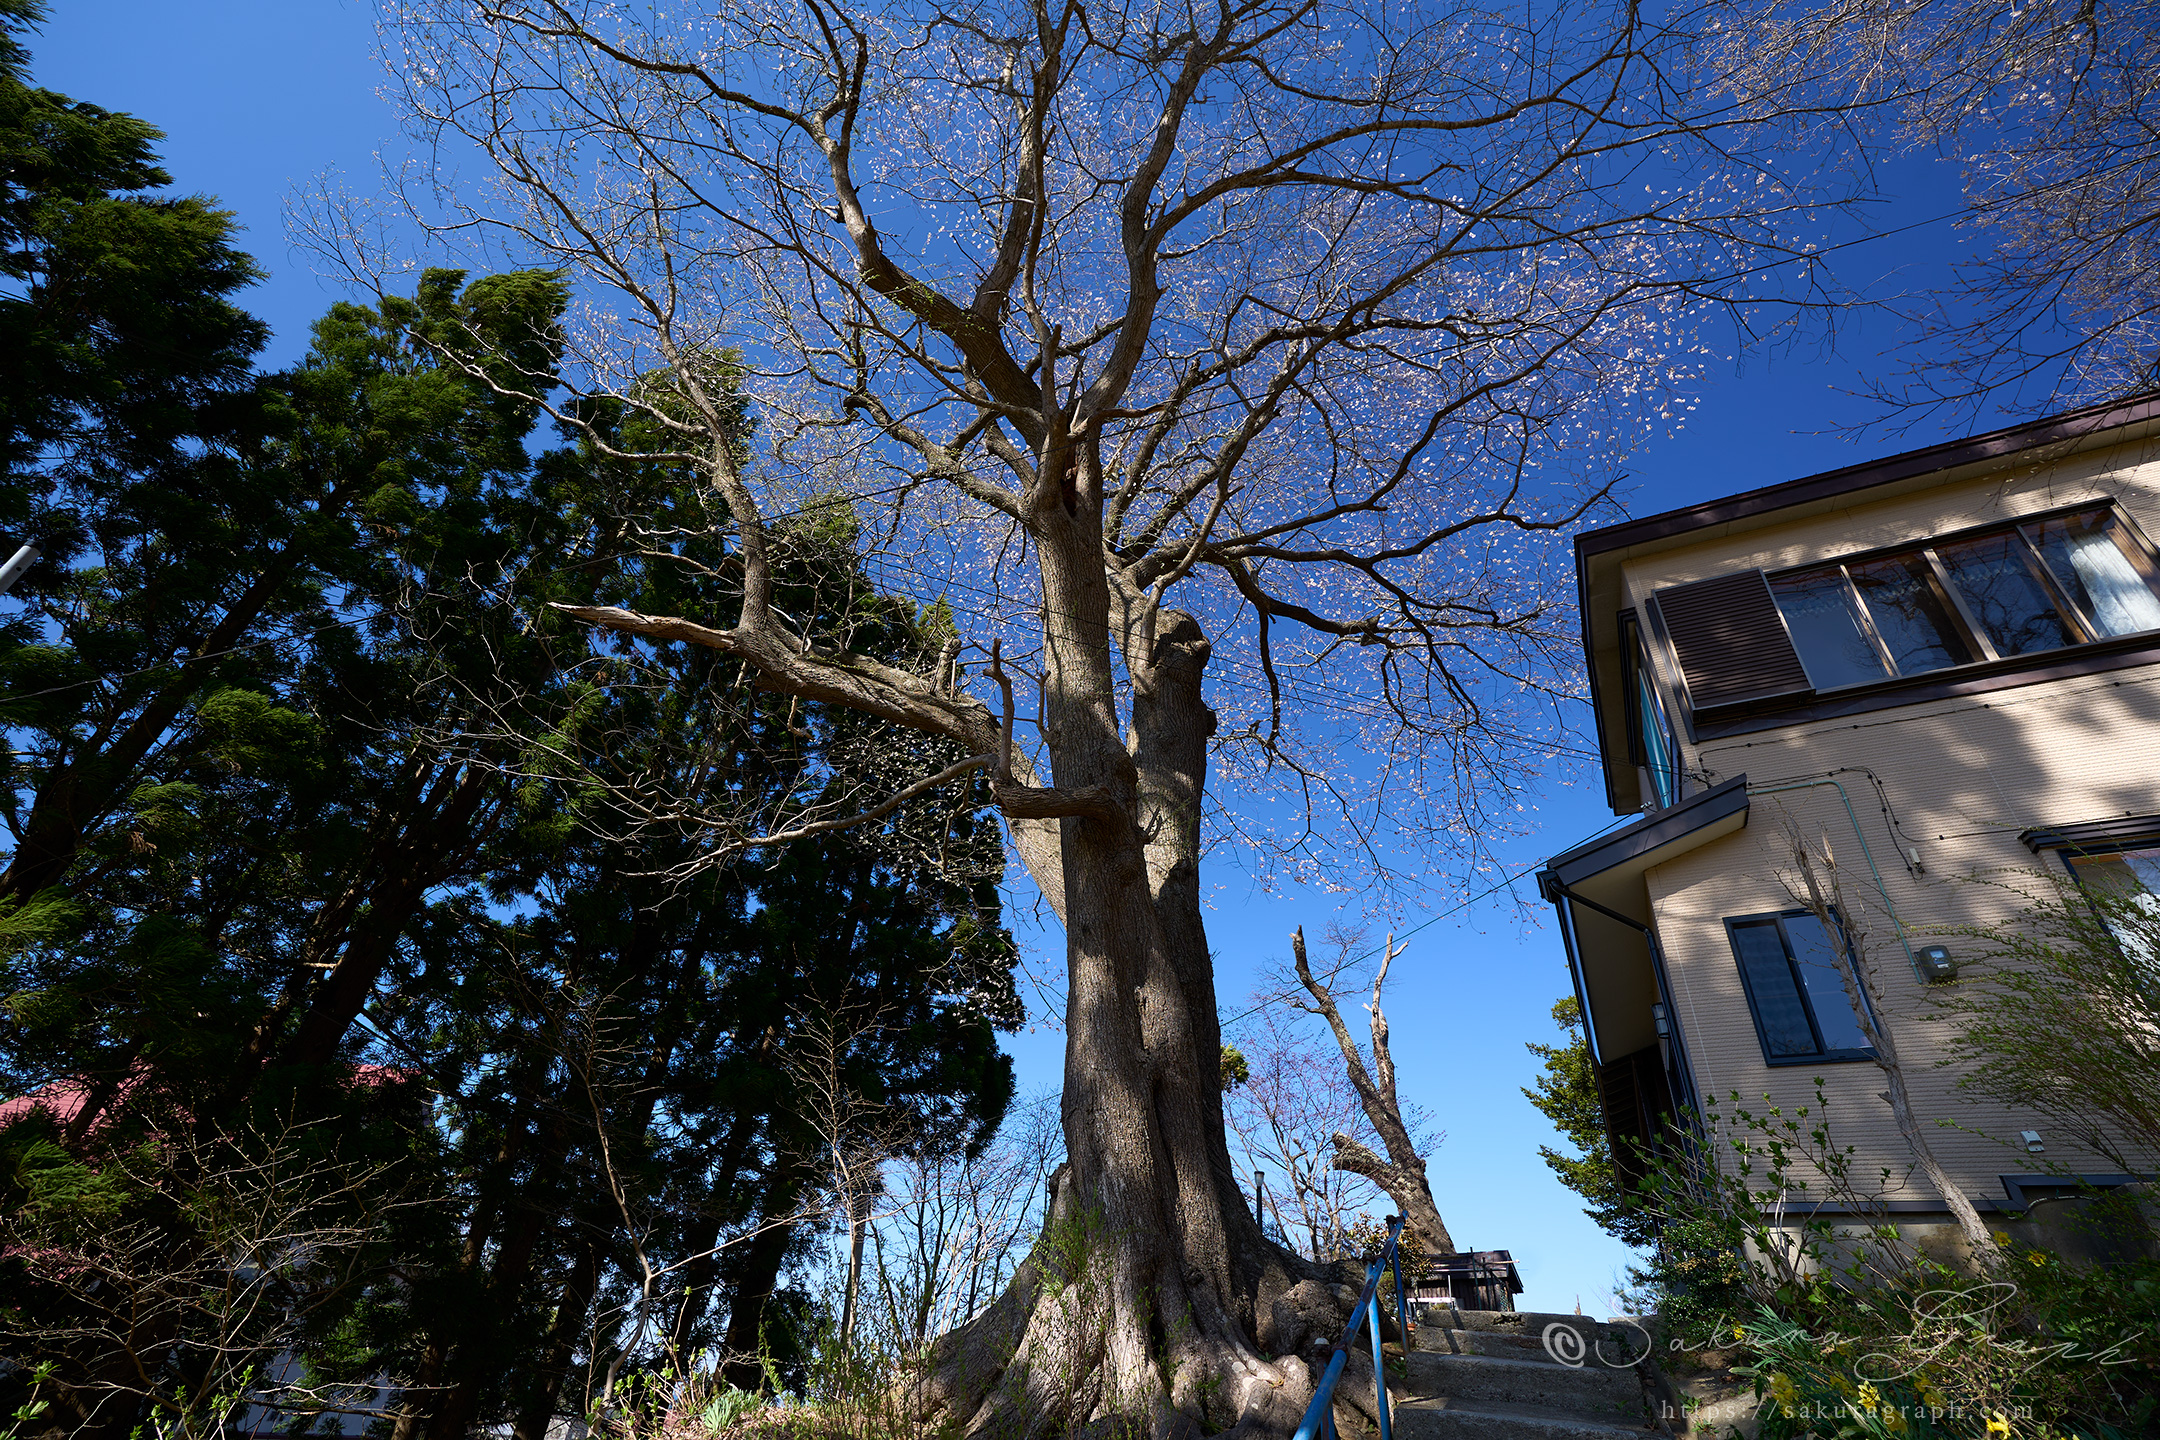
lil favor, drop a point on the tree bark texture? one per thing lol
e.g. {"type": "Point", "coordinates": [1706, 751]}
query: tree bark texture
{"type": "Point", "coordinates": [1154, 1324]}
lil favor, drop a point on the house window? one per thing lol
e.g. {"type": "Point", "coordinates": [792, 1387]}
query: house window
{"type": "Point", "coordinates": [1829, 628]}
{"type": "Point", "coordinates": [1652, 742]}
{"type": "Point", "coordinates": [2125, 872]}
{"type": "Point", "coordinates": [1795, 989]}
{"type": "Point", "coordinates": [2132, 877]}
{"type": "Point", "coordinates": [2016, 590]}
{"type": "Point", "coordinates": [2100, 570]}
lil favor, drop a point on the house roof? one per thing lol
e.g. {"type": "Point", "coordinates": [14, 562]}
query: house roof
{"type": "Point", "coordinates": [1599, 553]}
{"type": "Point", "coordinates": [1653, 839]}
{"type": "Point", "coordinates": [63, 1099]}
{"type": "Point", "coordinates": [2071, 426]}
{"type": "Point", "coordinates": [1599, 884]}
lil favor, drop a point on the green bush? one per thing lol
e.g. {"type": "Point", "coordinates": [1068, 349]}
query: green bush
{"type": "Point", "coordinates": [1848, 1330]}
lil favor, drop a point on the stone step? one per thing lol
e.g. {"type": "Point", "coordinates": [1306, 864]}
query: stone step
{"type": "Point", "coordinates": [1504, 1322]}
{"type": "Point", "coordinates": [1592, 1390]}
{"type": "Point", "coordinates": [1616, 1344]}
{"type": "Point", "coordinates": [1486, 1420]}
{"type": "Point", "coordinates": [1446, 1340]}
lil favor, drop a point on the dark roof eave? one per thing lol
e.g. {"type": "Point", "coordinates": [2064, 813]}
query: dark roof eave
{"type": "Point", "coordinates": [1593, 857]}
{"type": "Point", "coordinates": [2114, 833]}
{"type": "Point", "coordinates": [2031, 435]}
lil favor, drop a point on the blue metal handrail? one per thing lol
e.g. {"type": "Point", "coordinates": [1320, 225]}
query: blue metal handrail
{"type": "Point", "coordinates": [1366, 1310]}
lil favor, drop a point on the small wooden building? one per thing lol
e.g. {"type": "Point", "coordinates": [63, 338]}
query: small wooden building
{"type": "Point", "coordinates": [1470, 1280]}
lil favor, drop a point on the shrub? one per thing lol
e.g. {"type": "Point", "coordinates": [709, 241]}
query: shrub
{"type": "Point", "coordinates": [1848, 1330]}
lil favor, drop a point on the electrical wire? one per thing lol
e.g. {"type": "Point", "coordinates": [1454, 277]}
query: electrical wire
{"type": "Point", "coordinates": [1430, 921]}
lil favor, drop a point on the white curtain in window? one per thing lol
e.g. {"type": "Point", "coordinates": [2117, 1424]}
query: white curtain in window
{"type": "Point", "coordinates": [2121, 602]}
{"type": "Point", "coordinates": [2134, 876]}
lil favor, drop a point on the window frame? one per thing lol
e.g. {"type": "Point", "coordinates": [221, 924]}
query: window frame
{"type": "Point", "coordinates": [2138, 551]}
{"type": "Point", "coordinates": [1990, 672]}
{"type": "Point", "coordinates": [2070, 854]}
{"type": "Point", "coordinates": [1637, 674]}
{"type": "Point", "coordinates": [1807, 1003]}
{"type": "Point", "coordinates": [2128, 836]}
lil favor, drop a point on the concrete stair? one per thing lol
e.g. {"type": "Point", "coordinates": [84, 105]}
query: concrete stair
{"type": "Point", "coordinates": [1489, 1375]}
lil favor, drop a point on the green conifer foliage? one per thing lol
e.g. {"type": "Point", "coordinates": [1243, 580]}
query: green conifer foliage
{"type": "Point", "coordinates": [1567, 1094]}
{"type": "Point", "coordinates": [330, 898]}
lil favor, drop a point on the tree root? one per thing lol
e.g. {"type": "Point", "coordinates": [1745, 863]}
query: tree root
{"type": "Point", "coordinates": [1074, 1349]}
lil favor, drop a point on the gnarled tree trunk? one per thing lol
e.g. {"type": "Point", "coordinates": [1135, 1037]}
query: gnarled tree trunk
{"type": "Point", "coordinates": [1153, 1299]}
{"type": "Point", "coordinates": [1155, 1296]}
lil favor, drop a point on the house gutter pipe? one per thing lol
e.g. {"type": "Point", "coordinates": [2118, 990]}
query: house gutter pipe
{"type": "Point", "coordinates": [1575, 974]}
{"type": "Point", "coordinates": [1852, 817]}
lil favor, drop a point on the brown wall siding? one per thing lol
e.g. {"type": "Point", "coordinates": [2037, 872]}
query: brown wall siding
{"type": "Point", "coordinates": [1963, 776]}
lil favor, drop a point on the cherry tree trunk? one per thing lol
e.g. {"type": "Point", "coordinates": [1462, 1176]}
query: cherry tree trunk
{"type": "Point", "coordinates": [1152, 1305]}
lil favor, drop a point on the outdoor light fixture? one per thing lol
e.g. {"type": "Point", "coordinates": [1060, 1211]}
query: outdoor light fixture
{"type": "Point", "coordinates": [1664, 1028]}
{"type": "Point", "coordinates": [2032, 1141]}
{"type": "Point", "coordinates": [1936, 964]}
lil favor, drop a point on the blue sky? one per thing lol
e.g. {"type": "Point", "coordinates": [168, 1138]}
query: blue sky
{"type": "Point", "coordinates": [259, 97]}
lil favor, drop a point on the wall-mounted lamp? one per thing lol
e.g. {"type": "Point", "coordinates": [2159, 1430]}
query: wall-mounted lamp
{"type": "Point", "coordinates": [1936, 964]}
{"type": "Point", "coordinates": [1664, 1026]}
{"type": "Point", "coordinates": [2032, 1141]}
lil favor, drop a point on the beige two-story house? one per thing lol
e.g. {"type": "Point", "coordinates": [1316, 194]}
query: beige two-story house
{"type": "Point", "coordinates": [1942, 670]}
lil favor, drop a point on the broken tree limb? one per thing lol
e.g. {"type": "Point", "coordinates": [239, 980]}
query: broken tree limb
{"type": "Point", "coordinates": [1402, 1173]}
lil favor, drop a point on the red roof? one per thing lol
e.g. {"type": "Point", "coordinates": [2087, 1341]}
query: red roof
{"type": "Point", "coordinates": [63, 1099]}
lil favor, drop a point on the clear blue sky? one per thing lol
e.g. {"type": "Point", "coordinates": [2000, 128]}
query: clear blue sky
{"type": "Point", "coordinates": [259, 97]}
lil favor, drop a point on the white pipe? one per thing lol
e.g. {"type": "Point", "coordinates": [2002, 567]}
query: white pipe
{"type": "Point", "coordinates": [20, 561]}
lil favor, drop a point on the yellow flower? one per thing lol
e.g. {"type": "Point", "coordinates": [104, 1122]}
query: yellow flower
{"type": "Point", "coordinates": [2037, 1258]}
{"type": "Point", "coordinates": [1783, 1390]}
{"type": "Point", "coordinates": [1870, 1397]}
{"type": "Point", "coordinates": [1737, 1332]}
{"type": "Point", "coordinates": [1997, 1425]}
{"type": "Point", "coordinates": [1894, 1421]}
{"type": "Point", "coordinates": [2000, 1237]}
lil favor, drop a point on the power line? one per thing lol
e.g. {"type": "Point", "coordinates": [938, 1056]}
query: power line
{"type": "Point", "coordinates": [1432, 920]}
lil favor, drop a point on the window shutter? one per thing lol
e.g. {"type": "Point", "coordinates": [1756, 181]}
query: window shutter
{"type": "Point", "coordinates": [1731, 642]}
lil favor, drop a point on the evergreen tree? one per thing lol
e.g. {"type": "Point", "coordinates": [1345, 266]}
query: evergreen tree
{"type": "Point", "coordinates": [323, 889]}
{"type": "Point", "coordinates": [1567, 1094]}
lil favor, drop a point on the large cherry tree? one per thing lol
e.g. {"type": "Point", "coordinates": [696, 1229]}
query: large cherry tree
{"type": "Point", "coordinates": [1229, 371]}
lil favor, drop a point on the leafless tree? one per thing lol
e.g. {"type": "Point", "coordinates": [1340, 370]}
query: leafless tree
{"type": "Point", "coordinates": [1819, 887]}
{"type": "Point", "coordinates": [1296, 329]}
{"type": "Point", "coordinates": [1402, 1173]}
{"type": "Point", "coordinates": [2052, 109]}
{"type": "Point", "coordinates": [1283, 1115]}
{"type": "Point", "coordinates": [178, 1287]}
{"type": "Point", "coordinates": [954, 1227]}
{"type": "Point", "coordinates": [853, 1135]}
